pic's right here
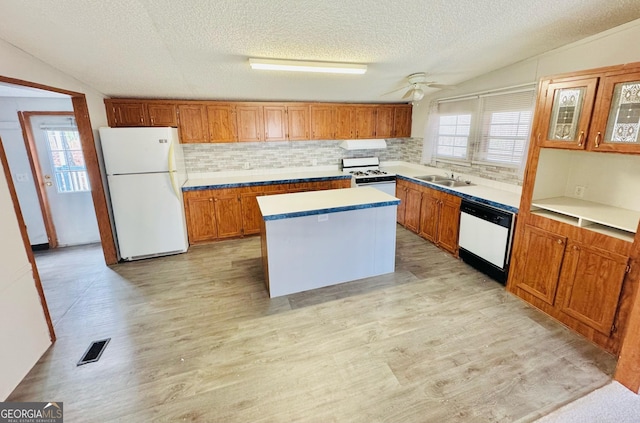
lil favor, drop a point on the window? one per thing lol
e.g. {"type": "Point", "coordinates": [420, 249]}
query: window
{"type": "Point", "coordinates": [492, 129]}
{"type": "Point", "coordinates": [67, 160]}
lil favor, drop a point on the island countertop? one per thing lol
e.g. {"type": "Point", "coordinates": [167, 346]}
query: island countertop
{"type": "Point", "coordinates": [285, 206]}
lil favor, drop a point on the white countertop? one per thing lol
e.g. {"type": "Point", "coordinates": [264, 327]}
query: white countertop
{"type": "Point", "coordinates": [296, 204]}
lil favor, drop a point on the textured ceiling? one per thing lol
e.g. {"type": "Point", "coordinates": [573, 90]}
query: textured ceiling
{"type": "Point", "coordinates": [200, 49]}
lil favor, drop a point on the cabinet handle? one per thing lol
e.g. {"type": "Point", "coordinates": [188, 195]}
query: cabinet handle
{"type": "Point", "coordinates": [598, 140]}
{"type": "Point", "coordinates": [576, 248]}
{"type": "Point", "coordinates": [538, 137]}
{"type": "Point", "coordinates": [580, 138]}
{"type": "Point", "coordinates": [559, 241]}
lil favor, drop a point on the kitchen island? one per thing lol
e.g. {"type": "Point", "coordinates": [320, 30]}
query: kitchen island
{"type": "Point", "coordinates": [321, 238]}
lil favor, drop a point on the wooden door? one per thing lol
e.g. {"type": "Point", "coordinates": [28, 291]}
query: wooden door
{"type": "Point", "coordinates": [298, 122]}
{"type": "Point", "coordinates": [345, 122]}
{"type": "Point", "coordinates": [322, 122]}
{"type": "Point", "coordinates": [222, 123]}
{"type": "Point", "coordinates": [429, 214]}
{"type": "Point", "coordinates": [365, 122]}
{"type": "Point", "coordinates": [384, 121]}
{"type": "Point", "coordinates": [616, 119]}
{"type": "Point", "coordinates": [194, 126]}
{"type": "Point", "coordinates": [249, 122]}
{"type": "Point", "coordinates": [402, 121]}
{"type": "Point", "coordinates": [200, 214]}
{"type": "Point", "coordinates": [412, 210]}
{"type": "Point", "coordinates": [590, 285]}
{"type": "Point", "coordinates": [566, 114]}
{"type": "Point", "coordinates": [275, 123]}
{"type": "Point", "coordinates": [162, 114]}
{"type": "Point", "coordinates": [449, 222]}
{"type": "Point", "coordinates": [536, 261]}
{"type": "Point", "coordinates": [129, 114]}
{"type": "Point", "coordinates": [228, 214]}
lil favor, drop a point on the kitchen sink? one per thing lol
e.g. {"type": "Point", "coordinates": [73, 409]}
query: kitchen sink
{"type": "Point", "coordinates": [453, 183]}
{"type": "Point", "coordinates": [433, 178]}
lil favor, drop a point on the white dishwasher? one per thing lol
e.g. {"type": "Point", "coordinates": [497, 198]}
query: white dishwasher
{"type": "Point", "coordinates": [485, 238]}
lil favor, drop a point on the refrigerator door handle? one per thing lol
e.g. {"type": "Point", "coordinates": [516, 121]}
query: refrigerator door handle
{"type": "Point", "coordinates": [172, 170]}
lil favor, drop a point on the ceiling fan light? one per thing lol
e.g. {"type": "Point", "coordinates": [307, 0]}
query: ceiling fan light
{"type": "Point", "coordinates": [418, 94]}
{"type": "Point", "coordinates": [306, 66]}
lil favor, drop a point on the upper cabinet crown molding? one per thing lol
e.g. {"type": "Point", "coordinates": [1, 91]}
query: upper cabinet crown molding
{"type": "Point", "coordinates": [227, 121]}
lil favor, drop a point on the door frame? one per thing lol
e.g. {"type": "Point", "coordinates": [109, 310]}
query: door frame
{"type": "Point", "coordinates": [81, 113]}
{"type": "Point", "coordinates": [36, 170]}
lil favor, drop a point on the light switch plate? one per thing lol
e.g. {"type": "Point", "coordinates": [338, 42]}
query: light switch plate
{"type": "Point", "coordinates": [579, 191]}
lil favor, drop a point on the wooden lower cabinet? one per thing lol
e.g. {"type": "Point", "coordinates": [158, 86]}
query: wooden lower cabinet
{"type": "Point", "coordinates": [433, 214]}
{"type": "Point", "coordinates": [574, 275]}
{"type": "Point", "coordinates": [233, 212]}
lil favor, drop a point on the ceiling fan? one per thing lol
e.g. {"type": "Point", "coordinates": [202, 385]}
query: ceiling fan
{"type": "Point", "coordinates": [417, 83]}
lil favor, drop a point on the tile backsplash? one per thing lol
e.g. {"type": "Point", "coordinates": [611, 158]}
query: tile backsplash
{"type": "Point", "coordinates": [209, 158]}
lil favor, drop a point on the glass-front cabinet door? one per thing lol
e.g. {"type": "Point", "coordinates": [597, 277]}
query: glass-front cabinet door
{"type": "Point", "coordinates": [566, 114]}
{"type": "Point", "coordinates": [615, 127]}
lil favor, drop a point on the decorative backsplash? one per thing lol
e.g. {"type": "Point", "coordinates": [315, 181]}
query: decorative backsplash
{"type": "Point", "coordinates": [207, 158]}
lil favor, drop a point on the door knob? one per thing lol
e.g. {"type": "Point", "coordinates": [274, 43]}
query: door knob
{"type": "Point", "coordinates": [47, 176]}
{"type": "Point", "coordinates": [48, 184]}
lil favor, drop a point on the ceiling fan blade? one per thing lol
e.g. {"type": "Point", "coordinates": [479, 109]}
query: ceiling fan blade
{"type": "Point", "coordinates": [408, 94]}
{"type": "Point", "coordinates": [396, 90]}
{"type": "Point", "coordinates": [442, 86]}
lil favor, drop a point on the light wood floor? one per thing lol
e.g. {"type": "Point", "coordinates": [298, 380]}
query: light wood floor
{"type": "Point", "coordinates": [196, 338]}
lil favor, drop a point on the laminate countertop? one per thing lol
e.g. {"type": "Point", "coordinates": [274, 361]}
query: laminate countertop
{"type": "Point", "coordinates": [285, 206]}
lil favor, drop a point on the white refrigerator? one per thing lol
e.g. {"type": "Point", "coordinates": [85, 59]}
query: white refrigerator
{"type": "Point", "coordinates": [145, 173]}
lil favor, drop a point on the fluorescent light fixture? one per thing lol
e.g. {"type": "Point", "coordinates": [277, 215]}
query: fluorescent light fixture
{"type": "Point", "coordinates": [301, 66]}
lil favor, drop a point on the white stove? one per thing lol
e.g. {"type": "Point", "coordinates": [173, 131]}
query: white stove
{"type": "Point", "coordinates": [366, 172]}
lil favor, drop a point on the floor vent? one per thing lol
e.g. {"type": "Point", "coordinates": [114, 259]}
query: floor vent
{"type": "Point", "coordinates": [94, 352]}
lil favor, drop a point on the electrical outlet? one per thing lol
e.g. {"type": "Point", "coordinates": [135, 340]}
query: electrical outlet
{"type": "Point", "coordinates": [246, 165]}
{"type": "Point", "coordinates": [579, 191]}
{"type": "Point", "coordinates": [314, 162]}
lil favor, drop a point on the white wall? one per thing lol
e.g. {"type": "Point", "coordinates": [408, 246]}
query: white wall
{"type": "Point", "coordinates": [23, 334]}
{"type": "Point", "coordinates": [17, 156]}
{"type": "Point", "coordinates": [613, 47]}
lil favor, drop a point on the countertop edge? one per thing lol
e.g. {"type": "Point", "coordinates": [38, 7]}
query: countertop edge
{"type": "Point", "coordinates": [330, 210]}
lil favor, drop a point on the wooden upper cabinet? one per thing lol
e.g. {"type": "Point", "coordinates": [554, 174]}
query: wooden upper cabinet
{"type": "Point", "coordinates": [298, 122]}
{"type": "Point", "coordinates": [345, 122]}
{"type": "Point", "coordinates": [193, 123]}
{"type": "Point", "coordinates": [127, 113]}
{"type": "Point", "coordinates": [162, 114]}
{"type": "Point", "coordinates": [249, 122]}
{"type": "Point", "coordinates": [566, 113]}
{"type": "Point", "coordinates": [616, 121]}
{"type": "Point", "coordinates": [402, 121]}
{"type": "Point", "coordinates": [222, 122]}
{"type": "Point", "coordinates": [322, 122]}
{"type": "Point", "coordinates": [275, 123]}
{"type": "Point", "coordinates": [365, 122]}
{"type": "Point", "coordinates": [384, 121]}
{"type": "Point", "coordinates": [590, 285]}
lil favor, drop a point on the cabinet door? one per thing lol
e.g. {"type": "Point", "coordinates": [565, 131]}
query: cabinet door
{"type": "Point", "coordinates": [384, 121]}
{"type": "Point", "coordinates": [251, 217]}
{"type": "Point", "coordinates": [129, 114]}
{"type": "Point", "coordinates": [249, 122]}
{"type": "Point", "coordinates": [275, 123]}
{"type": "Point", "coordinates": [412, 211]}
{"type": "Point", "coordinates": [566, 114]}
{"type": "Point", "coordinates": [401, 194]}
{"type": "Point", "coordinates": [222, 123]}
{"type": "Point", "coordinates": [322, 122]}
{"type": "Point", "coordinates": [449, 222]}
{"type": "Point", "coordinates": [345, 122]}
{"type": "Point", "coordinates": [402, 122]}
{"type": "Point", "coordinates": [162, 114]}
{"type": "Point", "coordinates": [429, 215]}
{"type": "Point", "coordinates": [193, 125]}
{"type": "Point", "coordinates": [228, 215]}
{"type": "Point", "coordinates": [365, 122]}
{"type": "Point", "coordinates": [298, 122]}
{"type": "Point", "coordinates": [616, 123]}
{"type": "Point", "coordinates": [200, 214]}
{"type": "Point", "coordinates": [590, 285]}
{"type": "Point", "coordinates": [537, 259]}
